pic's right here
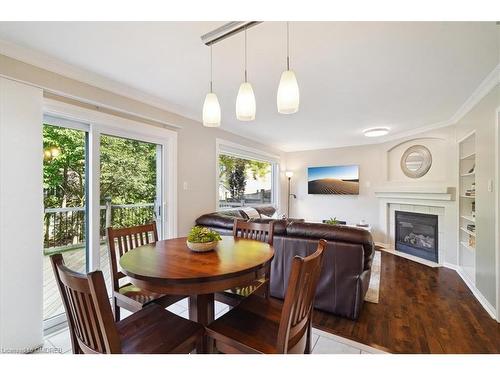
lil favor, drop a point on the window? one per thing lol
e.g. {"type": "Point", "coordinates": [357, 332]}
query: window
{"type": "Point", "coordinates": [245, 177]}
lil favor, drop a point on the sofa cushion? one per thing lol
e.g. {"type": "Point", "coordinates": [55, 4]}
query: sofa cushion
{"type": "Point", "coordinates": [216, 220]}
{"type": "Point", "coordinates": [338, 233]}
{"type": "Point", "coordinates": [251, 212]}
{"type": "Point", "coordinates": [329, 232]}
{"type": "Point", "coordinates": [266, 210]}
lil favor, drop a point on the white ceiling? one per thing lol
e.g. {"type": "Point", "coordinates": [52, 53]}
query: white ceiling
{"type": "Point", "coordinates": [352, 75]}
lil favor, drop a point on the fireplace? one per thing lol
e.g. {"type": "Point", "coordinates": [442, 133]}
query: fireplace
{"type": "Point", "coordinates": [417, 234]}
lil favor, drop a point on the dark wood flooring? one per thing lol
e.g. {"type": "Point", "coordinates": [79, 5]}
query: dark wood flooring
{"type": "Point", "coordinates": [420, 310]}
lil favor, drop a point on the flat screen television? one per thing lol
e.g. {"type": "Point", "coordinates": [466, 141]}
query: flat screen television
{"type": "Point", "coordinates": [340, 179]}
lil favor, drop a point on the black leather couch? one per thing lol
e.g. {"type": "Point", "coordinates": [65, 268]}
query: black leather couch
{"type": "Point", "coordinates": [347, 264]}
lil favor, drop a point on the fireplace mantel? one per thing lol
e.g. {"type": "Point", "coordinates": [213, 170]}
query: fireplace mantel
{"type": "Point", "coordinates": [434, 193]}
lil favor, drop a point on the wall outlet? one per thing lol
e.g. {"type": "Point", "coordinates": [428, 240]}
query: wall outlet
{"type": "Point", "coordinates": [490, 185]}
{"type": "Point", "coordinates": [185, 185]}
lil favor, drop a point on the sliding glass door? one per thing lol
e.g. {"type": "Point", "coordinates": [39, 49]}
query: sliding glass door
{"type": "Point", "coordinates": [95, 176]}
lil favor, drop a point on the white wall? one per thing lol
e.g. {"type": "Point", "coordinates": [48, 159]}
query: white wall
{"type": "Point", "coordinates": [21, 215]}
{"type": "Point", "coordinates": [482, 119]}
{"type": "Point", "coordinates": [378, 166]}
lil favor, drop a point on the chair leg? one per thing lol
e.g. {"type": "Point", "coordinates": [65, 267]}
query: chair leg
{"type": "Point", "coordinates": [116, 310]}
{"type": "Point", "coordinates": [308, 348]}
{"type": "Point", "coordinates": [268, 283]}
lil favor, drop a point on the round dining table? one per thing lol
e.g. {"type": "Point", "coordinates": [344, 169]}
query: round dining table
{"type": "Point", "coordinates": [170, 267]}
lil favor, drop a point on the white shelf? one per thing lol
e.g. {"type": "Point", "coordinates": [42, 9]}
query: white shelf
{"type": "Point", "coordinates": [469, 218]}
{"type": "Point", "coordinates": [467, 162]}
{"type": "Point", "coordinates": [468, 231]}
{"type": "Point", "coordinates": [464, 244]}
{"type": "Point", "coordinates": [469, 156]}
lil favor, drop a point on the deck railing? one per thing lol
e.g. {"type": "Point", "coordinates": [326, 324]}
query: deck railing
{"type": "Point", "coordinates": [65, 227]}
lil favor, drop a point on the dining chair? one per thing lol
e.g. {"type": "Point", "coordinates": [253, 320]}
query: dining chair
{"type": "Point", "coordinates": [93, 329]}
{"type": "Point", "coordinates": [267, 325]}
{"type": "Point", "coordinates": [263, 232]}
{"type": "Point", "coordinates": [128, 296]}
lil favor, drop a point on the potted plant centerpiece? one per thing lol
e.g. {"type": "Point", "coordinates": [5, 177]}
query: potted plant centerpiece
{"type": "Point", "coordinates": [202, 239]}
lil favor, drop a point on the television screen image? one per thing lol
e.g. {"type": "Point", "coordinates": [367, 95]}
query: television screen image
{"type": "Point", "coordinates": [343, 179]}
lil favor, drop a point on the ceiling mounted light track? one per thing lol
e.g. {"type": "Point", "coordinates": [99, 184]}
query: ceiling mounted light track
{"type": "Point", "coordinates": [227, 30]}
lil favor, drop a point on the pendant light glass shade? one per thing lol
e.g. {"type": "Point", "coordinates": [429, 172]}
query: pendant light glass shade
{"type": "Point", "coordinates": [288, 97]}
{"type": "Point", "coordinates": [211, 106]}
{"type": "Point", "coordinates": [211, 111]}
{"type": "Point", "coordinates": [245, 103]}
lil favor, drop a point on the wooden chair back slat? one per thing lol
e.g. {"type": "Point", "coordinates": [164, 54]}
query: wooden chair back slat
{"type": "Point", "coordinates": [125, 239]}
{"type": "Point", "coordinates": [87, 306]}
{"type": "Point", "coordinates": [299, 298]}
{"type": "Point", "coordinates": [263, 232]}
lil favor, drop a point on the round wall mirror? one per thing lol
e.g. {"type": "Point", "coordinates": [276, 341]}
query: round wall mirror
{"type": "Point", "coordinates": [416, 161]}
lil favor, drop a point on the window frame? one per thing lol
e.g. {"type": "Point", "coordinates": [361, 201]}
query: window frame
{"type": "Point", "coordinates": [224, 147]}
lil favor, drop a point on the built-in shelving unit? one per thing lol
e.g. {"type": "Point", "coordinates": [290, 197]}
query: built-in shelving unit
{"type": "Point", "coordinates": [467, 206]}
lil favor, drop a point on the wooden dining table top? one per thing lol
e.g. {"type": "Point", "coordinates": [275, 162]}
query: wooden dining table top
{"type": "Point", "coordinates": [171, 261]}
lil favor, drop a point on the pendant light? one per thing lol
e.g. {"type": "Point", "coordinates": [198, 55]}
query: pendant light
{"type": "Point", "coordinates": [245, 101]}
{"type": "Point", "coordinates": [288, 96]}
{"type": "Point", "coordinates": [211, 107]}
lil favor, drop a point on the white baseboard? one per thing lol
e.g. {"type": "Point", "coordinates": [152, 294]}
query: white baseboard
{"type": "Point", "coordinates": [479, 296]}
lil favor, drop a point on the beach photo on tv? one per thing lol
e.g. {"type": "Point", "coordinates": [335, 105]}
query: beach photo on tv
{"type": "Point", "coordinates": [342, 179]}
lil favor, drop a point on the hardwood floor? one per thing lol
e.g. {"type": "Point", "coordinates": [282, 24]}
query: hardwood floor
{"type": "Point", "coordinates": [421, 310]}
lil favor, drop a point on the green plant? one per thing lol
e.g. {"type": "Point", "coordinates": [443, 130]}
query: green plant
{"type": "Point", "coordinates": [202, 235]}
{"type": "Point", "coordinates": [332, 221]}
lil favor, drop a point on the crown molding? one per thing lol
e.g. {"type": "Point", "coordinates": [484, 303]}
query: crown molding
{"type": "Point", "coordinates": [479, 93]}
{"type": "Point", "coordinates": [54, 65]}
{"type": "Point", "coordinates": [484, 88]}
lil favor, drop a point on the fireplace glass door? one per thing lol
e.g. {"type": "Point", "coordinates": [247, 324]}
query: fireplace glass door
{"type": "Point", "coordinates": [417, 234]}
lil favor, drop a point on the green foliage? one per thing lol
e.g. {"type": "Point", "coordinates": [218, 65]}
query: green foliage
{"type": "Point", "coordinates": [128, 176]}
{"type": "Point", "coordinates": [233, 173]}
{"type": "Point", "coordinates": [64, 175]}
{"type": "Point", "coordinates": [128, 171]}
{"type": "Point", "coordinates": [237, 179]}
{"type": "Point", "coordinates": [332, 221]}
{"type": "Point", "coordinates": [202, 235]}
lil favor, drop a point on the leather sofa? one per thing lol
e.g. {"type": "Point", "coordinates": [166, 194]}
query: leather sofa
{"type": "Point", "coordinates": [347, 262]}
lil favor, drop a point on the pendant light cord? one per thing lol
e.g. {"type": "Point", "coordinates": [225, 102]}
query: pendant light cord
{"type": "Point", "coordinates": [287, 46]}
{"type": "Point", "coordinates": [211, 68]}
{"type": "Point", "coordinates": [245, 54]}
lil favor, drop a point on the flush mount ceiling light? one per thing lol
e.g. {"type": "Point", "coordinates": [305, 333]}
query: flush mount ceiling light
{"type": "Point", "coordinates": [376, 132]}
{"type": "Point", "coordinates": [288, 96]}
{"type": "Point", "coordinates": [211, 106]}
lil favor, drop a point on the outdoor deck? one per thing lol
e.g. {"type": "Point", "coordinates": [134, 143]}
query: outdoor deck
{"type": "Point", "coordinates": [74, 259]}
